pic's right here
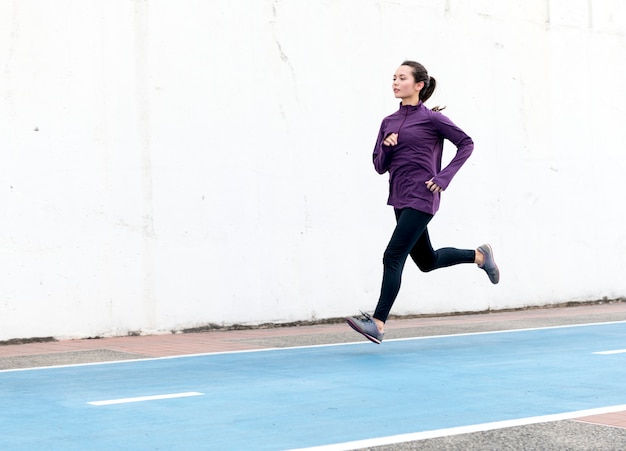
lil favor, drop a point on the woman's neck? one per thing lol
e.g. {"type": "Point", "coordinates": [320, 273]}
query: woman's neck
{"type": "Point", "coordinates": [414, 100]}
{"type": "Point", "coordinates": [410, 102]}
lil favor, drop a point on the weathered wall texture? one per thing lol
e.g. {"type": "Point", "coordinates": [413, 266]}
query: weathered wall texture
{"type": "Point", "coordinates": [170, 164]}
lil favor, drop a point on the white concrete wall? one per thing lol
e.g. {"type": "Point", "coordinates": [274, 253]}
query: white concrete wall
{"type": "Point", "coordinates": [170, 164]}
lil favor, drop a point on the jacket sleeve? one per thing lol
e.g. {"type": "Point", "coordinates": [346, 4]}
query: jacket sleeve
{"type": "Point", "coordinates": [382, 154]}
{"type": "Point", "coordinates": [464, 147]}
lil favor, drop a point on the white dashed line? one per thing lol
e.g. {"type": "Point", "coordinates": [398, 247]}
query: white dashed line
{"type": "Point", "coordinates": [144, 398]}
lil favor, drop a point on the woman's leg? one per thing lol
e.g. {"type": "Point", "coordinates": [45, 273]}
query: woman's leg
{"type": "Point", "coordinates": [427, 259]}
{"type": "Point", "coordinates": [411, 224]}
{"type": "Point", "coordinates": [410, 237]}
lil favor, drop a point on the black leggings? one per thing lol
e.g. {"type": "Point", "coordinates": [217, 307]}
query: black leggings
{"type": "Point", "coordinates": [410, 237]}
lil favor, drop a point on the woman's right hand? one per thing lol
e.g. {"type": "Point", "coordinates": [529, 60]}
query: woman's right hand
{"type": "Point", "coordinates": [391, 139]}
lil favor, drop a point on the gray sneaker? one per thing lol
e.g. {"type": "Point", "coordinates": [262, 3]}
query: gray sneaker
{"type": "Point", "coordinates": [489, 265]}
{"type": "Point", "coordinates": [366, 327]}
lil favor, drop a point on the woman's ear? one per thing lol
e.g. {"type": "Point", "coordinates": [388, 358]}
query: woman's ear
{"type": "Point", "coordinates": [419, 85]}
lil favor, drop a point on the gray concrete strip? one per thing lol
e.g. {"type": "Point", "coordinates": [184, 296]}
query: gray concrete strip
{"type": "Point", "coordinates": [556, 436]}
{"type": "Point", "coordinates": [65, 358]}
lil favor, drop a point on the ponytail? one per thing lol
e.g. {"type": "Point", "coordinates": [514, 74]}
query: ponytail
{"type": "Point", "coordinates": [427, 91]}
{"type": "Point", "coordinates": [429, 87]}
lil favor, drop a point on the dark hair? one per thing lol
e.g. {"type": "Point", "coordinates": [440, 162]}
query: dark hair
{"type": "Point", "coordinates": [421, 74]}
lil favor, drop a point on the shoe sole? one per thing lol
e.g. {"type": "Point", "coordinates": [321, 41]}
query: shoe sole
{"type": "Point", "coordinates": [490, 250]}
{"type": "Point", "coordinates": [366, 335]}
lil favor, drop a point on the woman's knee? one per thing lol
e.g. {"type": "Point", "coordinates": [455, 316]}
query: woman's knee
{"type": "Point", "coordinates": [425, 263]}
{"type": "Point", "coordinates": [393, 258]}
{"type": "Point", "coordinates": [426, 268]}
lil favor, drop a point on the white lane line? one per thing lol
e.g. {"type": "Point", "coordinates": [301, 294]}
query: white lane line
{"type": "Point", "coordinates": [144, 398]}
{"type": "Point", "coordinates": [251, 351]}
{"type": "Point", "coordinates": [617, 351]}
{"type": "Point", "coordinates": [403, 438]}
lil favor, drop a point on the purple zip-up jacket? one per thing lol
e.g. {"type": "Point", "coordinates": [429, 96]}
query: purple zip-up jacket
{"type": "Point", "coordinates": [417, 156]}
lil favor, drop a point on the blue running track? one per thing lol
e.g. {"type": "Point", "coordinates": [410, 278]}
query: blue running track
{"type": "Point", "coordinates": [313, 396]}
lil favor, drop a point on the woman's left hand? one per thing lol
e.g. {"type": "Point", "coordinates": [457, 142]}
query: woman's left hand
{"type": "Point", "coordinates": [433, 187]}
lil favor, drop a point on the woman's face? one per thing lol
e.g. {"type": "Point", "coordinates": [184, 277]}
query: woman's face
{"type": "Point", "coordinates": [404, 86]}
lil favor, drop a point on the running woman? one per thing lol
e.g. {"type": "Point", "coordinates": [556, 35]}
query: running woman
{"type": "Point", "coordinates": [410, 147]}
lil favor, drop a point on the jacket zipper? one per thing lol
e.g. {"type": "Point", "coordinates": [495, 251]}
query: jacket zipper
{"type": "Point", "coordinates": [403, 121]}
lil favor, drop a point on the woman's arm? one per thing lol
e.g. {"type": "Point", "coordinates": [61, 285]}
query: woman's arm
{"type": "Point", "coordinates": [383, 150]}
{"type": "Point", "coordinates": [464, 147]}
